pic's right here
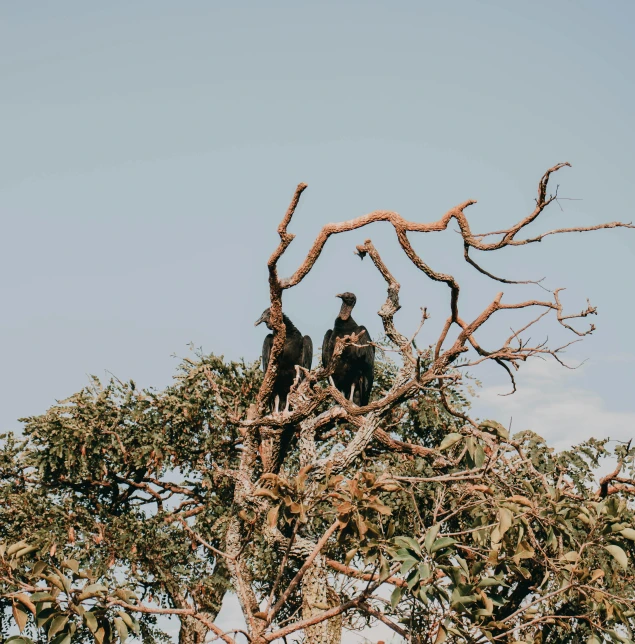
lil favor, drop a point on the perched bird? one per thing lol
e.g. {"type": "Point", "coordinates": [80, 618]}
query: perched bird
{"type": "Point", "coordinates": [353, 374]}
{"type": "Point", "coordinates": [298, 350]}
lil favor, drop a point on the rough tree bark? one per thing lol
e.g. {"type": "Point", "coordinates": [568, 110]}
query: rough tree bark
{"type": "Point", "coordinates": [193, 630]}
{"type": "Point", "coordinates": [317, 597]}
{"type": "Point", "coordinates": [304, 555]}
{"type": "Point", "coordinates": [321, 610]}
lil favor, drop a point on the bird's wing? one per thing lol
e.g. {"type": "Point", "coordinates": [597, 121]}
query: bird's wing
{"type": "Point", "coordinates": [366, 356]}
{"type": "Point", "coordinates": [307, 352]}
{"type": "Point", "coordinates": [266, 351]}
{"type": "Point", "coordinates": [327, 348]}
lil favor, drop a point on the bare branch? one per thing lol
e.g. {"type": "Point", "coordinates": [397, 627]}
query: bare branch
{"type": "Point", "coordinates": [190, 612]}
{"type": "Point", "coordinates": [305, 566]}
{"type": "Point", "coordinates": [311, 394]}
{"type": "Point", "coordinates": [275, 293]}
{"type": "Point", "coordinates": [364, 576]}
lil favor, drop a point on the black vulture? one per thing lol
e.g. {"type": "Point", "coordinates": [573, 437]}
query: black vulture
{"type": "Point", "coordinates": [353, 375]}
{"type": "Point", "coordinates": [298, 350]}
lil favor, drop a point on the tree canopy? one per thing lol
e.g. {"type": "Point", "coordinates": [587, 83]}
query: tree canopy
{"type": "Point", "coordinates": [121, 504]}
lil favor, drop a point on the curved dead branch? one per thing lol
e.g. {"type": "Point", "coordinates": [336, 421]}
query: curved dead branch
{"type": "Point", "coordinates": [312, 392]}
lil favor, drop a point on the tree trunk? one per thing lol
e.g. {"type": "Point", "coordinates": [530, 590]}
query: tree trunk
{"type": "Point", "coordinates": [192, 631]}
{"type": "Point", "coordinates": [318, 597]}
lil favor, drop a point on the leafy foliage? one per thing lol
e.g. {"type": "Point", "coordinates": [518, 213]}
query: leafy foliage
{"type": "Point", "coordinates": [120, 505]}
{"type": "Point", "coordinates": [117, 499]}
{"type": "Point", "coordinates": [100, 479]}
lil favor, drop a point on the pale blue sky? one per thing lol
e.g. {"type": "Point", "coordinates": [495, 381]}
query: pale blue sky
{"type": "Point", "coordinates": [150, 148]}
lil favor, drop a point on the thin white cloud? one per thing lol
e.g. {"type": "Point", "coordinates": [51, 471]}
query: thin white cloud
{"type": "Point", "coordinates": [550, 403]}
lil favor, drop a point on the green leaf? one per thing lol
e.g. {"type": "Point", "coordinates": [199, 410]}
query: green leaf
{"type": "Point", "coordinates": [619, 555]}
{"type": "Point", "coordinates": [616, 637]}
{"type": "Point", "coordinates": [431, 535]}
{"type": "Point", "coordinates": [57, 625]}
{"type": "Point", "coordinates": [122, 629]}
{"type": "Point", "coordinates": [38, 568]}
{"type": "Point", "coordinates": [629, 533]}
{"type": "Point", "coordinates": [44, 614]}
{"type": "Point", "coordinates": [471, 446]}
{"type": "Point", "coordinates": [449, 440]}
{"type": "Point", "coordinates": [422, 594]}
{"type": "Point", "coordinates": [413, 581]}
{"type": "Point", "coordinates": [135, 626]}
{"type": "Point", "coordinates": [441, 543]}
{"type": "Point", "coordinates": [424, 571]}
{"type": "Point", "coordinates": [463, 565]}
{"type": "Point", "coordinates": [62, 638]}
{"type": "Point", "coordinates": [492, 427]}
{"type": "Point", "coordinates": [350, 554]}
{"type": "Point", "coordinates": [401, 554]}
{"type": "Point", "coordinates": [410, 543]}
{"type": "Point", "coordinates": [91, 621]}
{"type": "Point", "coordinates": [44, 596]}
{"type": "Point", "coordinates": [395, 597]}
{"type": "Point", "coordinates": [91, 590]}
{"type": "Point", "coordinates": [126, 618]}
{"type": "Point", "coordinates": [505, 520]}
{"type": "Point", "coordinates": [384, 569]}
{"type": "Point", "coordinates": [407, 565]}
{"type": "Point", "coordinates": [479, 456]}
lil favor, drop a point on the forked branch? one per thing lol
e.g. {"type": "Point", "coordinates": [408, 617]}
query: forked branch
{"type": "Point", "coordinates": [418, 372]}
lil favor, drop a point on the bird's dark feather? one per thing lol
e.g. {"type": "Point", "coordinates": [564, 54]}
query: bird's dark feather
{"type": "Point", "coordinates": [307, 352]}
{"type": "Point", "coordinates": [327, 348]}
{"type": "Point", "coordinates": [298, 350]}
{"type": "Point", "coordinates": [266, 351]}
{"type": "Point", "coordinates": [356, 364]}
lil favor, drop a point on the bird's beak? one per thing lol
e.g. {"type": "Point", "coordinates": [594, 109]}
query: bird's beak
{"type": "Point", "coordinates": [339, 295]}
{"type": "Point", "coordinates": [260, 320]}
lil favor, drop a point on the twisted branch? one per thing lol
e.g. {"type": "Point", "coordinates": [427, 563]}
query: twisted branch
{"type": "Point", "coordinates": [308, 393]}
